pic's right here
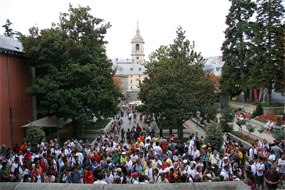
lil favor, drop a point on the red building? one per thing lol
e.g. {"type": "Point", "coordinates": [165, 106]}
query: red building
{"type": "Point", "coordinates": [16, 105]}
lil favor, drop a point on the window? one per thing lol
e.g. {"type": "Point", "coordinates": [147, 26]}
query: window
{"type": "Point", "coordinates": [131, 69]}
{"type": "Point", "coordinates": [139, 76]}
{"type": "Point", "coordinates": [131, 75]}
{"type": "Point", "coordinates": [131, 87]}
{"type": "Point", "coordinates": [140, 69]}
{"type": "Point", "coordinates": [131, 81]}
{"type": "Point", "coordinates": [137, 57]}
{"type": "Point", "coordinates": [137, 47]}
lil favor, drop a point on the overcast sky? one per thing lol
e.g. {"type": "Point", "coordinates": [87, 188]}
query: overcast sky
{"type": "Point", "coordinates": [203, 20]}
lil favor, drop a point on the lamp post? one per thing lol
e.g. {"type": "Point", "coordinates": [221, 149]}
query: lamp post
{"type": "Point", "coordinates": [198, 116]}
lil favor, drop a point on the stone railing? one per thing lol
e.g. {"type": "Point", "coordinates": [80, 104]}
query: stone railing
{"type": "Point", "coordinates": [233, 185]}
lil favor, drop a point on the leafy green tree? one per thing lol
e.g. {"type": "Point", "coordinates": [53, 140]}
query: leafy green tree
{"type": "Point", "coordinates": [214, 135]}
{"type": "Point", "coordinates": [227, 119]}
{"type": "Point", "coordinates": [9, 32]}
{"type": "Point", "coordinates": [34, 135]}
{"type": "Point", "coordinates": [176, 86]}
{"type": "Point", "coordinates": [73, 73]}
{"type": "Point", "coordinates": [236, 47]}
{"type": "Point", "coordinates": [269, 69]}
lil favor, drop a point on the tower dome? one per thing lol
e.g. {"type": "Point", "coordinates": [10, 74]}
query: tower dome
{"type": "Point", "coordinates": [137, 48]}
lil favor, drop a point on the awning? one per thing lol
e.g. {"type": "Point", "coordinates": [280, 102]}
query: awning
{"type": "Point", "coordinates": [136, 103]}
{"type": "Point", "coordinates": [47, 122]}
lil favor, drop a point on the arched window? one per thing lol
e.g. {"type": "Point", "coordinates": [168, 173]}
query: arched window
{"type": "Point", "coordinates": [137, 47]}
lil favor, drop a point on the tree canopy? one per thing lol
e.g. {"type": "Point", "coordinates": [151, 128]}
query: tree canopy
{"type": "Point", "coordinates": [176, 86]}
{"type": "Point", "coordinates": [73, 73]}
{"type": "Point", "coordinates": [253, 49]}
{"type": "Point", "coordinates": [236, 47]}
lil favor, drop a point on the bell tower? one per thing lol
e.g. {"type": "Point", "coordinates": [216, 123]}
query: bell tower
{"type": "Point", "coordinates": [137, 48]}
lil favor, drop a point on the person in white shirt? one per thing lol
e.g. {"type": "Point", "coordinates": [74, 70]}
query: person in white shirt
{"type": "Point", "coordinates": [225, 173]}
{"type": "Point", "coordinates": [17, 166]}
{"type": "Point", "coordinates": [100, 181]}
{"type": "Point", "coordinates": [192, 170]}
{"type": "Point", "coordinates": [162, 179]}
{"type": "Point", "coordinates": [252, 152]}
{"type": "Point", "coordinates": [271, 158]}
{"type": "Point", "coordinates": [129, 163]}
{"type": "Point", "coordinates": [252, 166]}
{"type": "Point", "coordinates": [281, 165]}
{"type": "Point", "coordinates": [109, 178]}
{"type": "Point", "coordinates": [157, 148]}
{"type": "Point", "coordinates": [148, 171]}
{"type": "Point", "coordinates": [195, 153]}
{"type": "Point", "coordinates": [260, 168]}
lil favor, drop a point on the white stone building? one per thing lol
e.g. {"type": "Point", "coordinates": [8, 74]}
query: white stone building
{"type": "Point", "coordinates": [131, 71]}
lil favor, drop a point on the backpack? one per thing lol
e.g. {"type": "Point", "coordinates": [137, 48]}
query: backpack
{"type": "Point", "coordinates": [17, 170]}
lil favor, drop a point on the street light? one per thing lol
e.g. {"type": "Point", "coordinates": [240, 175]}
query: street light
{"type": "Point", "coordinates": [198, 116]}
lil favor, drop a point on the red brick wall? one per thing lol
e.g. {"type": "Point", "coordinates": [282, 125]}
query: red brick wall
{"type": "Point", "coordinates": [22, 110]}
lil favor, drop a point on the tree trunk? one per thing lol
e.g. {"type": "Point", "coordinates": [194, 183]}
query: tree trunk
{"type": "Point", "coordinates": [161, 132]}
{"type": "Point", "coordinates": [250, 95]}
{"type": "Point", "coordinates": [75, 125]}
{"type": "Point", "coordinates": [268, 97]}
{"type": "Point", "coordinates": [180, 131]}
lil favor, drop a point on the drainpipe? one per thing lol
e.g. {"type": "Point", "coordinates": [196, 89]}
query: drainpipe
{"type": "Point", "coordinates": [10, 102]}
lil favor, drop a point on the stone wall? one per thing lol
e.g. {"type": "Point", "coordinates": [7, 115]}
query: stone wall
{"type": "Point", "coordinates": [250, 108]}
{"type": "Point", "coordinates": [233, 185]}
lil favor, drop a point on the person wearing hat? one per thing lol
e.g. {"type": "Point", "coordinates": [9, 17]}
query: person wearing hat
{"type": "Point", "coordinates": [134, 178]}
{"type": "Point", "coordinates": [225, 173]}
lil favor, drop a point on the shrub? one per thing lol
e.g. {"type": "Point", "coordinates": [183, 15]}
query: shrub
{"type": "Point", "coordinates": [250, 128]}
{"type": "Point", "coordinates": [254, 114]}
{"type": "Point", "coordinates": [34, 135]}
{"type": "Point", "coordinates": [279, 135]}
{"type": "Point", "coordinates": [259, 110]}
{"type": "Point", "coordinates": [278, 122]}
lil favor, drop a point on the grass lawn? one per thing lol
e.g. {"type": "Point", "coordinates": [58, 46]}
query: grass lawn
{"type": "Point", "coordinates": [97, 125]}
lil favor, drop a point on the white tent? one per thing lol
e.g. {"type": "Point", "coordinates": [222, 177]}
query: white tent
{"type": "Point", "coordinates": [47, 122]}
{"type": "Point", "coordinates": [136, 103]}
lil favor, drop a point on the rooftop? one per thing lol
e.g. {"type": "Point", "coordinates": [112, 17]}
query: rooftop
{"type": "Point", "coordinates": [10, 45]}
{"type": "Point", "coordinates": [129, 69]}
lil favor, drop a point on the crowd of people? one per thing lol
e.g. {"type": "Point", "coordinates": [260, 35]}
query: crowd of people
{"type": "Point", "coordinates": [139, 156]}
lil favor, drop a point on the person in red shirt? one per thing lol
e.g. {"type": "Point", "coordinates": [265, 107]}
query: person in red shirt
{"type": "Point", "coordinates": [88, 177]}
{"type": "Point", "coordinates": [28, 155]}
{"type": "Point", "coordinates": [23, 147]}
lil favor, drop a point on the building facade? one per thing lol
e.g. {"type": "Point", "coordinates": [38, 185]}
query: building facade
{"type": "Point", "coordinates": [131, 71]}
{"type": "Point", "coordinates": [16, 105]}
